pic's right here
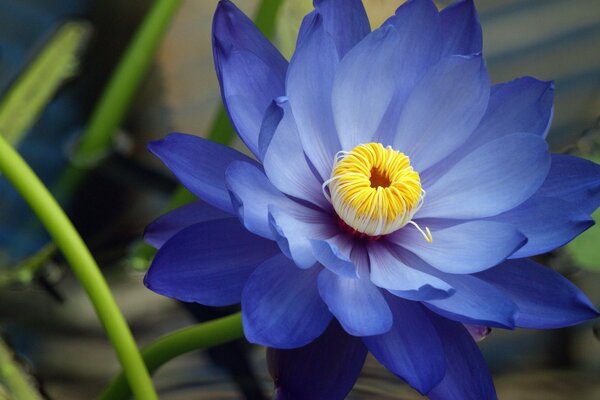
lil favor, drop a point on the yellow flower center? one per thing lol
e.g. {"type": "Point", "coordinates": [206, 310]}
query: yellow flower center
{"type": "Point", "coordinates": [375, 190]}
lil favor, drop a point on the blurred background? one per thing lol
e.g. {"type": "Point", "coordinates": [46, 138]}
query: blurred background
{"type": "Point", "coordinates": [56, 59]}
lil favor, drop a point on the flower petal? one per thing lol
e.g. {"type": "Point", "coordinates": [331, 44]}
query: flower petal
{"type": "Point", "coordinates": [167, 225]}
{"type": "Point", "coordinates": [281, 306]}
{"type": "Point", "coordinates": [574, 180]}
{"type": "Point", "coordinates": [208, 262]}
{"type": "Point", "coordinates": [252, 194]}
{"type": "Point", "coordinates": [250, 69]}
{"type": "Point", "coordinates": [464, 248]}
{"type": "Point", "coordinates": [284, 159]}
{"type": "Point", "coordinates": [334, 254]}
{"type": "Point", "coordinates": [546, 222]}
{"type": "Point", "coordinates": [443, 109]}
{"type": "Point", "coordinates": [324, 369]}
{"type": "Point", "coordinates": [356, 303]}
{"type": "Point", "coordinates": [367, 78]}
{"type": "Point", "coordinates": [200, 165]}
{"type": "Point", "coordinates": [475, 302]}
{"type": "Point", "coordinates": [308, 87]}
{"type": "Point", "coordinates": [412, 348]}
{"type": "Point", "coordinates": [295, 229]}
{"type": "Point", "coordinates": [545, 298]}
{"type": "Point", "coordinates": [467, 375]}
{"type": "Point", "coordinates": [492, 179]}
{"type": "Point", "coordinates": [391, 269]}
{"type": "Point", "coordinates": [461, 29]}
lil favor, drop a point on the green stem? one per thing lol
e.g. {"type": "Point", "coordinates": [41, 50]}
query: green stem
{"type": "Point", "coordinates": [17, 382]}
{"type": "Point", "coordinates": [115, 100]}
{"type": "Point", "coordinates": [84, 267]}
{"type": "Point", "coordinates": [196, 337]}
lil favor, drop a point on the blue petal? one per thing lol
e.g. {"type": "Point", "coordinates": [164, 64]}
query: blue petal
{"type": "Point", "coordinates": [326, 369]}
{"type": "Point", "coordinates": [284, 159]}
{"type": "Point", "coordinates": [464, 248]}
{"type": "Point", "coordinates": [356, 303]}
{"type": "Point", "coordinates": [443, 109]}
{"type": "Point", "coordinates": [281, 306]}
{"type": "Point", "coordinates": [345, 20]}
{"type": "Point", "coordinates": [308, 87]}
{"type": "Point", "coordinates": [574, 180]}
{"type": "Point", "coordinates": [390, 269]}
{"type": "Point", "coordinates": [383, 67]}
{"type": "Point", "coordinates": [475, 302]}
{"type": "Point", "coordinates": [208, 262]}
{"type": "Point", "coordinates": [545, 298]}
{"type": "Point", "coordinates": [252, 194]}
{"type": "Point", "coordinates": [546, 222]}
{"type": "Point", "coordinates": [461, 29]}
{"type": "Point", "coordinates": [494, 178]}
{"type": "Point", "coordinates": [167, 225]}
{"type": "Point", "coordinates": [295, 229]}
{"type": "Point", "coordinates": [251, 71]}
{"type": "Point", "coordinates": [200, 166]}
{"type": "Point", "coordinates": [412, 348]}
{"type": "Point", "coordinates": [335, 254]}
{"type": "Point", "coordinates": [467, 375]}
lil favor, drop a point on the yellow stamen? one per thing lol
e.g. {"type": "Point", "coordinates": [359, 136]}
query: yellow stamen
{"type": "Point", "coordinates": [375, 190]}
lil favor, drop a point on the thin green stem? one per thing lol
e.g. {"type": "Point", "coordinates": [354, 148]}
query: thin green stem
{"type": "Point", "coordinates": [195, 337]}
{"type": "Point", "coordinates": [123, 85]}
{"type": "Point", "coordinates": [83, 264]}
{"type": "Point", "coordinates": [16, 381]}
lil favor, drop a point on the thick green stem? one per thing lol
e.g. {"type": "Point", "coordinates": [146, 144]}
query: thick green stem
{"type": "Point", "coordinates": [123, 85]}
{"type": "Point", "coordinates": [208, 334]}
{"type": "Point", "coordinates": [16, 381]}
{"type": "Point", "coordinates": [84, 267]}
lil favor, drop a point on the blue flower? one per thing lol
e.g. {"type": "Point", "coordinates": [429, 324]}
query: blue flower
{"type": "Point", "coordinates": [395, 197]}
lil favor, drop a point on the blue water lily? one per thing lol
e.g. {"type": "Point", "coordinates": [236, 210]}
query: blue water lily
{"type": "Point", "coordinates": [392, 203]}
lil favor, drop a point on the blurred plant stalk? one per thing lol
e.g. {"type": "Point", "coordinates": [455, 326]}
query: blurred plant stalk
{"type": "Point", "coordinates": [18, 384]}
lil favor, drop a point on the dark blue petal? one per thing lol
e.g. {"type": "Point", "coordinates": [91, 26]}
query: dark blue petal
{"type": "Point", "coordinates": [251, 71]}
{"type": "Point", "coordinates": [461, 29]}
{"type": "Point", "coordinates": [281, 306]}
{"type": "Point", "coordinates": [467, 375]}
{"type": "Point", "coordinates": [295, 229]}
{"type": "Point", "coordinates": [367, 83]}
{"type": "Point", "coordinates": [252, 194]}
{"type": "Point", "coordinates": [345, 20]}
{"type": "Point", "coordinates": [356, 303]}
{"type": "Point", "coordinates": [390, 269]}
{"type": "Point", "coordinates": [200, 166]}
{"type": "Point", "coordinates": [167, 225]}
{"type": "Point", "coordinates": [308, 88]}
{"type": "Point", "coordinates": [208, 262]}
{"type": "Point", "coordinates": [545, 298]}
{"type": "Point", "coordinates": [464, 248]}
{"type": "Point", "coordinates": [411, 349]}
{"type": "Point", "coordinates": [494, 178]}
{"type": "Point", "coordinates": [443, 109]}
{"type": "Point", "coordinates": [326, 369]}
{"type": "Point", "coordinates": [475, 302]}
{"type": "Point", "coordinates": [284, 159]}
{"type": "Point", "coordinates": [574, 180]}
{"type": "Point", "coordinates": [546, 222]}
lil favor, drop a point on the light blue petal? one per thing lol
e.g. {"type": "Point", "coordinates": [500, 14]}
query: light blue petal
{"type": "Point", "coordinates": [335, 254]}
{"type": "Point", "coordinates": [546, 222]}
{"type": "Point", "coordinates": [461, 29]}
{"type": "Point", "coordinates": [251, 71]}
{"type": "Point", "coordinates": [281, 306]}
{"type": "Point", "coordinates": [443, 109]}
{"type": "Point", "coordinates": [345, 20]}
{"type": "Point", "coordinates": [494, 178]}
{"type": "Point", "coordinates": [467, 375]}
{"type": "Point", "coordinates": [411, 349]}
{"type": "Point", "coordinates": [464, 248]}
{"type": "Point", "coordinates": [200, 166]}
{"type": "Point", "coordinates": [308, 88]}
{"type": "Point", "coordinates": [208, 262]}
{"type": "Point", "coordinates": [545, 299]}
